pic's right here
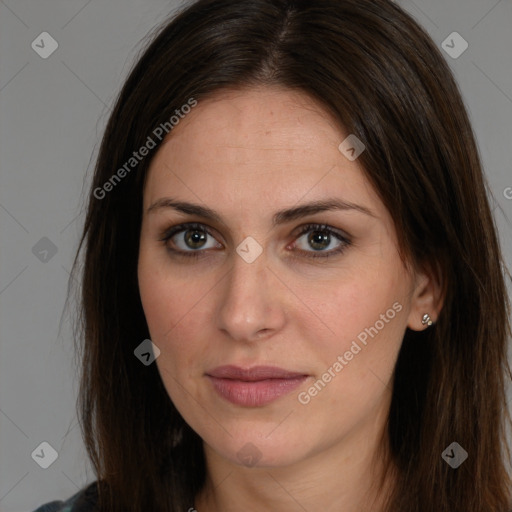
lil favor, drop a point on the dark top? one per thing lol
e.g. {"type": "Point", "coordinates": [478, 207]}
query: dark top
{"type": "Point", "coordinates": [84, 500]}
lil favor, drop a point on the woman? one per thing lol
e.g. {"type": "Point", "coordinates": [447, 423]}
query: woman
{"type": "Point", "coordinates": [293, 295]}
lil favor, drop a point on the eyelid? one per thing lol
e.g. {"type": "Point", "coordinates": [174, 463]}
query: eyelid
{"type": "Point", "coordinates": [340, 235]}
{"type": "Point", "coordinates": [167, 234]}
{"type": "Point", "coordinates": [312, 226]}
{"type": "Point", "coordinates": [185, 226]}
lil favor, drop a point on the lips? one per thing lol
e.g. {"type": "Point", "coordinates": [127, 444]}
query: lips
{"type": "Point", "coordinates": [252, 374]}
{"type": "Point", "coordinates": [253, 387]}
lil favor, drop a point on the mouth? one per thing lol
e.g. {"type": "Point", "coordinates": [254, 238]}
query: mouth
{"type": "Point", "coordinates": [254, 387]}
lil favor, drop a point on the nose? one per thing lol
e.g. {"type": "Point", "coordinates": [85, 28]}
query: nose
{"type": "Point", "coordinates": [252, 301]}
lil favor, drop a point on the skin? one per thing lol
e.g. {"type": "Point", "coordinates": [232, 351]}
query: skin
{"type": "Point", "coordinates": [247, 154]}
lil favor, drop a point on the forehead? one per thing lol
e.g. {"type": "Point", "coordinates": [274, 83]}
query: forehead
{"type": "Point", "coordinates": [259, 147]}
{"type": "Point", "coordinates": [238, 122]}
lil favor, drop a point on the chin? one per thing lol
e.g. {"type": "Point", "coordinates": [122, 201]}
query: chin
{"type": "Point", "coordinates": [262, 450]}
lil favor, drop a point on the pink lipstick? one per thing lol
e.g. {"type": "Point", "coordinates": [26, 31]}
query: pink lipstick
{"type": "Point", "coordinates": [253, 387]}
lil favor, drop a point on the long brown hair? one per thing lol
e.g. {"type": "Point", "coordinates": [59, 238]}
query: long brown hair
{"type": "Point", "coordinates": [378, 72]}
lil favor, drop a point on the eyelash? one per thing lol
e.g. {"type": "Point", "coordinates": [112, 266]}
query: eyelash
{"type": "Point", "coordinates": [323, 228]}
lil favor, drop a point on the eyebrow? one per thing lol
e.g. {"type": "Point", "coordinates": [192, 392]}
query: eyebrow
{"type": "Point", "coordinates": [280, 217]}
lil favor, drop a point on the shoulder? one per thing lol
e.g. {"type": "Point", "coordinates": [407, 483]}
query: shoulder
{"type": "Point", "coordinates": [85, 500]}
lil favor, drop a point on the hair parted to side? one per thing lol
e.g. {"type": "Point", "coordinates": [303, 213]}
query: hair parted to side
{"type": "Point", "coordinates": [372, 67]}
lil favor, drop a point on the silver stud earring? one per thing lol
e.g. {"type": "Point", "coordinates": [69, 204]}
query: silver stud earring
{"type": "Point", "coordinates": [426, 320]}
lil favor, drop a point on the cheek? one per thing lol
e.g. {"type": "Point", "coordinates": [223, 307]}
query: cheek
{"type": "Point", "coordinates": [363, 315]}
{"type": "Point", "coordinates": [157, 301]}
{"type": "Point", "coordinates": [163, 296]}
{"type": "Point", "coordinates": [174, 309]}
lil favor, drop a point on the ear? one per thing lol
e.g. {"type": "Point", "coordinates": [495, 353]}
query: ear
{"type": "Point", "coordinates": [427, 297]}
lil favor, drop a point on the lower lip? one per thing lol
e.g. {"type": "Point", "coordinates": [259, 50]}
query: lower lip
{"type": "Point", "coordinates": [257, 393]}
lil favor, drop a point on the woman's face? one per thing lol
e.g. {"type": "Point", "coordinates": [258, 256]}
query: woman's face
{"type": "Point", "coordinates": [253, 285]}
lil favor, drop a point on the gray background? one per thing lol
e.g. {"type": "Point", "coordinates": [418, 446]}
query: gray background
{"type": "Point", "coordinates": [52, 114]}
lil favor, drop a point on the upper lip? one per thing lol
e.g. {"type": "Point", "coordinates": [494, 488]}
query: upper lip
{"type": "Point", "coordinates": [252, 374]}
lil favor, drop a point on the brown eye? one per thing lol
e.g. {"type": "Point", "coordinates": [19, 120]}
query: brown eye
{"type": "Point", "coordinates": [194, 238]}
{"type": "Point", "coordinates": [320, 238]}
{"type": "Point", "coordinates": [188, 240]}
